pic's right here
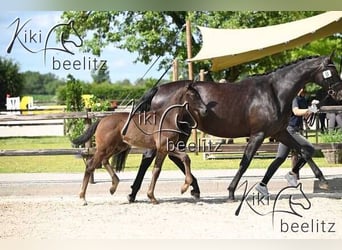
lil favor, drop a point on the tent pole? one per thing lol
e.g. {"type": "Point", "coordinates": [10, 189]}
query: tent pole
{"type": "Point", "coordinates": [190, 69]}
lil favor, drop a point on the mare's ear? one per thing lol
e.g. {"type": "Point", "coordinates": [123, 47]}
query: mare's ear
{"type": "Point", "coordinates": [332, 54]}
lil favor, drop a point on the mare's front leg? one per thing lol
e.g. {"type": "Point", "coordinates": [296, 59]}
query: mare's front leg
{"type": "Point", "coordinates": [155, 174]}
{"type": "Point", "coordinates": [146, 161]}
{"type": "Point", "coordinates": [115, 178]}
{"type": "Point", "coordinates": [253, 144]}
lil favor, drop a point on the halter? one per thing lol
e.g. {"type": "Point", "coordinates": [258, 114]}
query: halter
{"type": "Point", "coordinates": [328, 80]}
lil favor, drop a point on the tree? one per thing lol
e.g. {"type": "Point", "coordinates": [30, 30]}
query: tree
{"type": "Point", "coordinates": [10, 80]}
{"type": "Point", "coordinates": [74, 102]}
{"type": "Point", "coordinates": [100, 75]}
{"type": "Point", "coordinates": [35, 83]}
{"type": "Point", "coordinates": [152, 34]}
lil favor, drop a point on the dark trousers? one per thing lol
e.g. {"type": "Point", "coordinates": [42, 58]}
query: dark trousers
{"type": "Point", "coordinates": [283, 152]}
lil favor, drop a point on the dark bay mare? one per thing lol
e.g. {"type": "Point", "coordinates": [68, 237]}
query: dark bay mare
{"type": "Point", "coordinates": [164, 125]}
{"type": "Point", "coordinates": [256, 107]}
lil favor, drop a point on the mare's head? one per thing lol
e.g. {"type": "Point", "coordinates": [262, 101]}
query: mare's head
{"type": "Point", "coordinates": [193, 98]}
{"type": "Point", "coordinates": [327, 76]}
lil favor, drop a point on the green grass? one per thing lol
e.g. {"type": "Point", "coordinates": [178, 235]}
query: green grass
{"type": "Point", "coordinates": [74, 164]}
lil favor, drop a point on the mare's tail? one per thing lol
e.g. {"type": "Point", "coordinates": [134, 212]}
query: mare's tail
{"type": "Point", "coordinates": [87, 134]}
{"type": "Point", "coordinates": [120, 160]}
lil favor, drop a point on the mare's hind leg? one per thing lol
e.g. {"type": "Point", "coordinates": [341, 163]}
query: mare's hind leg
{"type": "Point", "coordinates": [155, 174]}
{"type": "Point", "coordinates": [115, 178]}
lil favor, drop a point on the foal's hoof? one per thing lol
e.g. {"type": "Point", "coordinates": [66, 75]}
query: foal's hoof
{"type": "Point", "coordinates": [195, 194]}
{"type": "Point", "coordinates": [152, 199]}
{"type": "Point", "coordinates": [184, 188]}
{"type": "Point", "coordinates": [84, 202]}
{"type": "Point", "coordinates": [154, 202]}
{"type": "Point", "coordinates": [112, 190]}
{"type": "Point", "coordinates": [323, 185]}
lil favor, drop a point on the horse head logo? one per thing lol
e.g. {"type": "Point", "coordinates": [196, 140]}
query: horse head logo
{"type": "Point", "coordinates": [294, 205]}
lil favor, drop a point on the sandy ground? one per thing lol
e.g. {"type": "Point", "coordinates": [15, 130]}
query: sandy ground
{"type": "Point", "coordinates": [59, 215]}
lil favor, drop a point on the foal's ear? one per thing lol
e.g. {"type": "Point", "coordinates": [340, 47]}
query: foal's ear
{"type": "Point", "coordinates": [190, 87]}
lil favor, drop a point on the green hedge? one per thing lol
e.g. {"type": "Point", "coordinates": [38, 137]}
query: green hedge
{"type": "Point", "coordinates": [106, 91]}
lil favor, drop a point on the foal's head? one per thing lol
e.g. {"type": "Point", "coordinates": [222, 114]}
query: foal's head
{"type": "Point", "coordinates": [327, 76]}
{"type": "Point", "coordinates": [193, 98]}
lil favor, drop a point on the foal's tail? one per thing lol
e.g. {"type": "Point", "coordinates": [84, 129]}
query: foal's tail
{"type": "Point", "coordinates": [87, 134]}
{"type": "Point", "coordinates": [120, 160]}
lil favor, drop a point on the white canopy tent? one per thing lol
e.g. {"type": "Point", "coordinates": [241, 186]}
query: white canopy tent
{"type": "Point", "coordinates": [229, 47]}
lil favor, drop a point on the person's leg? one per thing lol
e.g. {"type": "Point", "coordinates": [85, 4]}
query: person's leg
{"type": "Point", "coordinates": [339, 121]}
{"type": "Point", "coordinates": [307, 152]}
{"type": "Point", "coordinates": [322, 117]}
{"type": "Point", "coordinates": [331, 121]}
{"type": "Point", "coordinates": [283, 152]}
{"type": "Point", "coordinates": [294, 158]}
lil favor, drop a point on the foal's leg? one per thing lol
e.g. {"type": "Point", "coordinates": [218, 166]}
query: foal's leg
{"type": "Point", "coordinates": [92, 164]}
{"type": "Point", "coordinates": [252, 146]}
{"type": "Point", "coordinates": [184, 158]}
{"type": "Point", "coordinates": [155, 174]}
{"type": "Point", "coordinates": [195, 192]}
{"type": "Point", "coordinates": [115, 178]}
{"type": "Point", "coordinates": [146, 161]}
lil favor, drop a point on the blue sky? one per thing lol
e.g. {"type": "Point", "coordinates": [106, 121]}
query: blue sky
{"type": "Point", "coordinates": [33, 36]}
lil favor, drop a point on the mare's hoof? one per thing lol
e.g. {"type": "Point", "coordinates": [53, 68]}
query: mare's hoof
{"type": "Point", "coordinates": [195, 194]}
{"type": "Point", "coordinates": [130, 198]}
{"type": "Point", "coordinates": [323, 185]}
{"type": "Point", "coordinates": [231, 199]}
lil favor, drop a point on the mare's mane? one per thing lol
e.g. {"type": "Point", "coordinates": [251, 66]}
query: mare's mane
{"type": "Point", "coordinates": [283, 66]}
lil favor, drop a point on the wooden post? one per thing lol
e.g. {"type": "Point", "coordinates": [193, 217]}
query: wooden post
{"type": "Point", "coordinates": [175, 70]}
{"type": "Point", "coordinates": [87, 124]}
{"type": "Point", "coordinates": [201, 76]}
{"type": "Point", "coordinates": [189, 49]}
